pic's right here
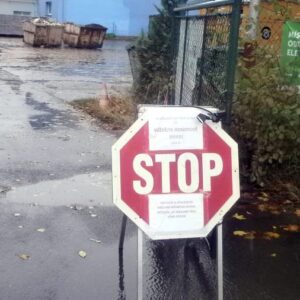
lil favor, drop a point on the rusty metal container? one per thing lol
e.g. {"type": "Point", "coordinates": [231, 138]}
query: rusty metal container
{"type": "Point", "coordinates": [39, 33]}
{"type": "Point", "coordinates": [89, 36]}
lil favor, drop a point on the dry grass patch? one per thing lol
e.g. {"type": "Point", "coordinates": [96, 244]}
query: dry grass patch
{"type": "Point", "coordinates": [118, 113]}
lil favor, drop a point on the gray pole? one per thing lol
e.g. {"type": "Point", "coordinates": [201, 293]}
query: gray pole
{"type": "Point", "coordinates": [220, 260]}
{"type": "Point", "coordinates": [140, 264]}
{"type": "Point", "coordinates": [253, 19]}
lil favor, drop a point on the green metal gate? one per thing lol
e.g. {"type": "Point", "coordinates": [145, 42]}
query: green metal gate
{"type": "Point", "coordinates": [207, 48]}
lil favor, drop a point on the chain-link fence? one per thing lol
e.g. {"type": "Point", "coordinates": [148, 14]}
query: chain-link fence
{"type": "Point", "coordinates": [206, 49]}
{"type": "Point", "coordinates": [189, 56]}
{"type": "Point", "coordinates": [201, 60]}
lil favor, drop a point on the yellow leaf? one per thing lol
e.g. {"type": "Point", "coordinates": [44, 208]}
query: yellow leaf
{"type": "Point", "coordinates": [238, 217]}
{"type": "Point", "coordinates": [263, 199]}
{"type": "Point", "coordinates": [268, 235]}
{"type": "Point", "coordinates": [292, 228]}
{"type": "Point", "coordinates": [265, 195]}
{"type": "Point", "coordinates": [82, 254]}
{"type": "Point", "coordinates": [250, 235]}
{"type": "Point", "coordinates": [24, 256]}
{"type": "Point", "coordinates": [275, 212]}
{"type": "Point", "coordinates": [240, 233]}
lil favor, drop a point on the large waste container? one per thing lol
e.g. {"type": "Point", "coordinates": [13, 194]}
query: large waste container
{"type": "Point", "coordinates": [43, 32]}
{"type": "Point", "coordinates": [89, 36]}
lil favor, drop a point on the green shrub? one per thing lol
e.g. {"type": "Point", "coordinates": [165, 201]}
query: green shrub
{"type": "Point", "coordinates": [155, 53]}
{"type": "Point", "coordinates": [267, 120]}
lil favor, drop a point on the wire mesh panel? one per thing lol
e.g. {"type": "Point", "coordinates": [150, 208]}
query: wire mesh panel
{"type": "Point", "coordinates": [202, 60]}
{"type": "Point", "coordinates": [212, 82]}
{"type": "Point", "coordinates": [188, 60]}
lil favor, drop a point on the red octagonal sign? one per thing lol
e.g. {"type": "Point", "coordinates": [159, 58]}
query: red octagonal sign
{"type": "Point", "coordinates": [174, 176]}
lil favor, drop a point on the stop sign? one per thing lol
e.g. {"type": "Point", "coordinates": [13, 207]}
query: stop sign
{"type": "Point", "coordinates": [174, 176]}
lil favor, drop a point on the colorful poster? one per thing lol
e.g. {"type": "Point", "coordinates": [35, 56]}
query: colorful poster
{"type": "Point", "coordinates": [290, 52]}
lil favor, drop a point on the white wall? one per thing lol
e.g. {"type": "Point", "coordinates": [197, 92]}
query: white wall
{"type": "Point", "coordinates": [26, 6]}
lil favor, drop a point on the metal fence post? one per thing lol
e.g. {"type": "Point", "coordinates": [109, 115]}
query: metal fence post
{"type": "Point", "coordinates": [171, 100]}
{"type": "Point", "coordinates": [183, 59]}
{"type": "Point", "coordinates": [232, 57]}
{"type": "Point", "coordinates": [202, 62]}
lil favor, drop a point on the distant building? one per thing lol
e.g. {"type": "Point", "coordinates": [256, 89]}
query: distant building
{"type": "Point", "coordinates": [121, 17]}
{"type": "Point", "coordinates": [27, 8]}
{"type": "Point", "coordinates": [13, 13]}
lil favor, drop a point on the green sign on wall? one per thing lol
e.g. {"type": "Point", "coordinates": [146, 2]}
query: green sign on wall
{"type": "Point", "coordinates": [290, 52]}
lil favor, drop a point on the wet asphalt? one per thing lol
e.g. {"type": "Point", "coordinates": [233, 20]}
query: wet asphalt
{"type": "Point", "coordinates": [56, 199]}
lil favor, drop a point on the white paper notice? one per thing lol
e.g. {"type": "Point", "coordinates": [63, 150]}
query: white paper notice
{"type": "Point", "coordinates": [176, 212]}
{"type": "Point", "coordinates": [173, 131]}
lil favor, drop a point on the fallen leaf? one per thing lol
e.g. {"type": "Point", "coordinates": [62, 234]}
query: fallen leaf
{"type": "Point", "coordinates": [41, 230]}
{"type": "Point", "coordinates": [275, 212]}
{"type": "Point", "coordinates": [269, 235]}
{"type": "Point", "coordinates": [24, 256]}
{"type": "Point", "coordinates": [250, 235]}
{"type": "Point", "coordinates": [239, 217]}
{"type": "Point", "coordinates": [262, 207]}
{"type": "Point", "coordinates": [240, 233]}
{"type": "Point", "coordinates": [272, 208]}
{"type": "Point", "coordinates": [297, 212]}
{"type": "Point", "coordinates": [292, 228]}
{"type": "Point", "coordinates": [82, 254]}
{"type": "Point", "coordinates": [265, 199]}
{"type": "Point", "coordinates": [96, 241]}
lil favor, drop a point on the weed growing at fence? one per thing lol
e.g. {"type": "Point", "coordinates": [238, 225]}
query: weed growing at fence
{"type": "Point", "coordinates": [267, 120]}
{"type": "Point", "coordinates": [119, 113]}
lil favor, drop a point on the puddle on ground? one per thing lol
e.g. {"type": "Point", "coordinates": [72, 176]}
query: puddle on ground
{"type": "Point", "coordinates": [86, 189]}
{"type": "Point", "coordinates": [50, 117]}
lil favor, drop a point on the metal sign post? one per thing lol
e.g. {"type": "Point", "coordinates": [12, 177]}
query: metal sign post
{"type": "Point", "coordinates": [140, 264]}
{"type": "Point", "coordinates": [220, 260]}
